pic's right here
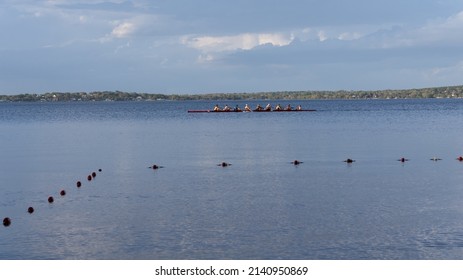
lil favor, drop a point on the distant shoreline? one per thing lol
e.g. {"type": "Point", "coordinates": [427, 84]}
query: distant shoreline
{"type": "Point", "coordinates": [436, 92]}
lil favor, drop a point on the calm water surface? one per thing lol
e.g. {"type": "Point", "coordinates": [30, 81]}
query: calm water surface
{"type": "Point", "coordinates": [260, 207]}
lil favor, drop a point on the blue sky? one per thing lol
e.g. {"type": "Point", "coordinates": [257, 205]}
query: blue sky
{"type": "Point", "coordinates": [200, 46]}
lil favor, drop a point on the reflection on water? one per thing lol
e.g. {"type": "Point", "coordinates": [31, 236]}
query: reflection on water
{"type": "Point", "coordinates": [260, 207]}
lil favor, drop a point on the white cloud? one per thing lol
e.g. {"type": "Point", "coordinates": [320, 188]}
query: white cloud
{"type": "Point", "coordinates": [203, 58]}
{"type": "Point", "coordinates": [322, 36]}
{"type": "Point", "coordinates": [349, 36]}
{"type": "Point", "coordinates": [83, 19]}
{"type": "Point", "coordinates": [244, 41]}
{"type": "Point", "coordinates": [123, 30]}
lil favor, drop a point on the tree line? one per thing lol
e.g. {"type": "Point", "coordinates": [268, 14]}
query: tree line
{"type": "Point", "coordinates": [436, 92]}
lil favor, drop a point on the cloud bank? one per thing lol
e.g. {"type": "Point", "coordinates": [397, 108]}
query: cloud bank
{"type": "Point", "coordinates": [217, 46]}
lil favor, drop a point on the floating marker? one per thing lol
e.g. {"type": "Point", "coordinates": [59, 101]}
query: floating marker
{"type": "Point", "coordinates": [7, 222]}
{"type": "Point", "coordinates": [30, 210]}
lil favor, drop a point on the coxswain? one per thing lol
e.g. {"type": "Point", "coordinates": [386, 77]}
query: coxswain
{"type": "Point", "coordinates": [298, 108]}
{"type": "Point", "coordinates": [259, 108]}
{"type": "Point", "coordinates": [247, 108]}
{"type": "Point", "coordinates": [288, 108]}
{"type": "Point", "coordinates": [278, 107]}
{"type": "Point", "coordinates": [216, 108]}
{"type": "Point", "coordinates": [226, 108]}
{"type": "Point", "coordinates": [268, 107]}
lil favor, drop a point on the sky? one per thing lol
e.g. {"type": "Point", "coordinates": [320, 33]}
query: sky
{"type": "Point", "coordinates": [222, 46]}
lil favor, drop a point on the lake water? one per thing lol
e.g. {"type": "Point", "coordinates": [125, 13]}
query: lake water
{"type": "Point", "coordinates": [260, 207]}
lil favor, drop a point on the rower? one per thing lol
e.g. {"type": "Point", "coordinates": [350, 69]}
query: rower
{"type": "Point", "coordinates": [258, 108]}
{"type": "Point", "coordinates": [216, 108]}
{"type": "Point", "coordinates": [237, 109]}
{"type": "Point", "coordinates": [278, 108]}
{"type": "Point", "coordinates": [298, 108]}
{"type": "Point", "coordinates": [268, 107]}
{"type": "Point", "coordinates": [247, 108]}
{"type": "Point", "coordinates": [226, 108]}
{"type": "Point", "coordinates": [288, 108]}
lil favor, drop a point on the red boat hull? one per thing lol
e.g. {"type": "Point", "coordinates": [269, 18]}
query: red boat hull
{"type": "Point", "coordinates": [261, 111]}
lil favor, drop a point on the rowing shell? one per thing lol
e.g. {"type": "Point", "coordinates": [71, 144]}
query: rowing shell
{"type": "Point", "coordinates": [260, 111]}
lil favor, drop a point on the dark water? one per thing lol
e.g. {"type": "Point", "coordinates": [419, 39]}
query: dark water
{"type": "Point", "coordinates": [260, 207]}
